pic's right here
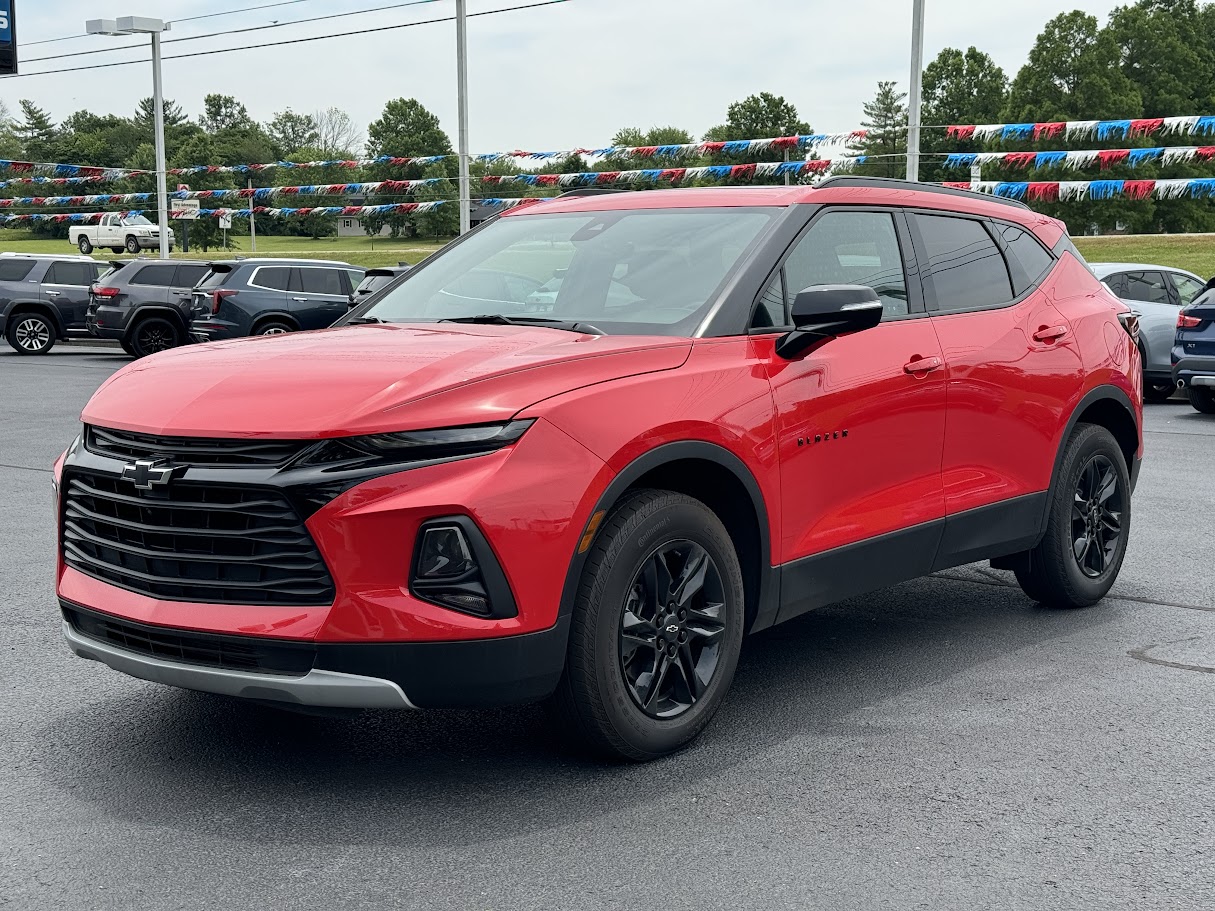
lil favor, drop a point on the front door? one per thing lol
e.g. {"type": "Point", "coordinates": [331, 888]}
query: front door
{"type": "Point", "coordinates": [861, 419]}
{"type": "Point", "coordinates": [1013, 372]}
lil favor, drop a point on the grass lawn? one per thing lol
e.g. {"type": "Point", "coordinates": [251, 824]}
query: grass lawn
{"type": "Point", "coordinates": [1195, 252]}
{"type": "Point", "coordinates": [358, 251]}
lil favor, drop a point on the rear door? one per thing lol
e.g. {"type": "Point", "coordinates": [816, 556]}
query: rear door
{"type": "Point", "coordinates": [66, 287]}
{"type": "Point", "coordinates": [1013, 371]}
{"type": "Point", "coordinates": [861, 418]}
{"type": "Point", "coordinates": [318, 295]}
{"type": "Point", "coordinates": [1154, 298]}
{"type": "Point", "coordinates": [150, 285]}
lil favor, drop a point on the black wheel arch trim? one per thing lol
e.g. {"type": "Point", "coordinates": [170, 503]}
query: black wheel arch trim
{"type": "Point", "coordinates": [164, 311]}
{"type": "Point", "coordinates": [273, 316]}
{"type": "Point", "coordinates": [39, 306]}
{"type": "Point", "coordinates": [1096, 394]}
{"type": "Point", "coordinates": [768, 595]}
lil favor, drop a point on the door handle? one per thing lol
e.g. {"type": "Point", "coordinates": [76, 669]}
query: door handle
{"type": "Point", "coordinates": [299, 300]}
{"type": "Point", "coordinates": [922, 365]}
{"type": "Point", "coordinates": [53, 293]}
{"type": "Point", "coordinates": [1050, 333]}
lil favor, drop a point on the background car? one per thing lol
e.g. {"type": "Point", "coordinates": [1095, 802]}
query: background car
{"type": "Point", "coordinates": [1156, 293]}
{"type": "Point", "coordinates": [145, 304]}
{"type": "Point", "coordinates": [1194, 352]}
{"type": "Point", "coordinates": [375, 280]}
{"type": "Point", "coordinates": [241, 297]}
{"type": "Point", "coordinates": [45, 298]}
{"type": "Point", "coordinates": [118, 232]}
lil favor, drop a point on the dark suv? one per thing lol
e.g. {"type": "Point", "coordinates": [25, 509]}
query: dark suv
{"type": "Point", "coordinates": [376, 279]}
{"type": "Point", "coordinates": [145, 304]}
{"type": "Point", "coordinates": [45, 298]}
{"type": "Point", "coordinates": [271, 296]}
{"type": "Point", "coordinates": [1194, 352]}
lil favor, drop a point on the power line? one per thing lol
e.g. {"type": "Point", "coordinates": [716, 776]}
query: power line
{"type": "Point", "coordinates": [230, 12]}
{"type": "Point", "coordinates": [258, 47]}
{"type": "Point", "coordinates": [235, 31]}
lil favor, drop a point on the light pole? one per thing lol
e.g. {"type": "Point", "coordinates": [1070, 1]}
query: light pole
{"type": "Point", "coordinates": [913, 96]}
{"type": "Point", "coordinates": [142, 25]}
{"type": "Point", "coordinates": [462, 110]}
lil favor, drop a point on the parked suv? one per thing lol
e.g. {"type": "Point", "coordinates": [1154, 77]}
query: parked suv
{"type": "Point", "coordinates": [1155, 293]}
{"type": "Point", "coordinates": [271, 296]}
{"type": "Point", "coordinates": [1194, 352]}
{"type": "Point", "coordinates": [45, 298]}
{"type": "Point", "coordinates": [376, 279]}
{"type": "Point", "coordinates": [145, 304]}
{"type": "Point", "coordinates": [739, 405]}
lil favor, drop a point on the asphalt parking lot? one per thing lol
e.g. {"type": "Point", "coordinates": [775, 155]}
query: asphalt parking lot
{"type": "Point", "coordinates": [942, 744]}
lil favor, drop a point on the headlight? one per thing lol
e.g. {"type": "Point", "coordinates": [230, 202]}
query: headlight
{"type": "Point", "coordinates": [416, 445]}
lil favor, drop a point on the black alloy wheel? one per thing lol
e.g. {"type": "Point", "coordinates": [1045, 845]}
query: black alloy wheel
{"type": "Point", "coordinates": [671, 630]}
{"type": "Point", "coordinates": [1096, 516]}
{"type": "Point", "coordinates": [153, 335]}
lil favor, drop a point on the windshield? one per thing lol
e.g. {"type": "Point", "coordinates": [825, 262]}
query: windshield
{"type": "Point", "coordinates": [132, 220]}
{"type": "Point", "coordinates": [644, 271]}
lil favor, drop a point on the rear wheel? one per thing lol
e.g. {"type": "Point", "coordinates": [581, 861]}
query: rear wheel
{"type": "Point", "coordinates": [31, 333]}
{"type": "Point", "coordinates": [1078, 560]}
{"type": "Point", "coordinates": [656, 631]}
{"type": "Point", "coordinates": [274, 327]}
{"type": "Point", "coordinates": [86, 247]}
{"type": "Point", "coordinates": [1202, 398]}
{"type": "Point", "coordinates": [154, 334]}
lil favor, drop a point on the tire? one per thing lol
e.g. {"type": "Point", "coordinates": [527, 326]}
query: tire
{"type": "Point", "coordinates": [1076, 563]}
{"type": "Point", "coordinates": [31, 333]}
{"type": "Point", "coordinates": [132, 245]}
{"type": "Point", "coordinates": [1202, 398]}
{"type": "Point", "coordinates": [153, 334]}
{"type": "Point", "coordinates": [1157, 393]}
{"type": "Point", "coordinates": [84, 245]}
{"type": "Point", "coordinates": [274, 327]}
{"type": "Point", "coordinates": [606, 699]}
{"type": "Point", "coordinates": [117, 250]}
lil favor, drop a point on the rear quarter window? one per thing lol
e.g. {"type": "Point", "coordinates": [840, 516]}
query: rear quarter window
{"type": "Point", "coordinates": [1029, 259]}
{"type": "Point", "coordinates": [14, 270]}
{"type": "Point", "coordinates": [272, 278]}
{"type": "Point", "coordinates": [215, 278]}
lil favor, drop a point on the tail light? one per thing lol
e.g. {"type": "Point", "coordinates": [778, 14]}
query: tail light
{"type": "Point", "coordinates": [1187, 322]}
{"type": "Point", "coordinates": [101, 291]}
{"type": "Point", "coordinates": [1130, 322]}
{"type": "Point", "coordinates": [217, 298]}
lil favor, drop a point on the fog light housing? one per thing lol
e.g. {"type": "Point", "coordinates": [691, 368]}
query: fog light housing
{"type": "Point", "coordinates": [454, 567]}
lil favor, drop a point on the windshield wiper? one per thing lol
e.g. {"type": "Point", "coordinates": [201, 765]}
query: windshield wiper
{"type": "Point", "coordinates": [499, 319]}
{"type": "Point", "coordinates": [363, 320]}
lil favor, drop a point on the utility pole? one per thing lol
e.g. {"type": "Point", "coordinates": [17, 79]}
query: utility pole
{"type": "Point", "coordinates": [462, 110]}
{"type": "Point", "coordinates": [162, 196]}
{"type": "Point", "coordinates": [913, 96]}
{"type": "Point", "coordinates": [252, 223]}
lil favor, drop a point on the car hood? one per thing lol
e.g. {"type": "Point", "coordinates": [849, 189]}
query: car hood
{"type": "Point", "coordinates": [366, 379]}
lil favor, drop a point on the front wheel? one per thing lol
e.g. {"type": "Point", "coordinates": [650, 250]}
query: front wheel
{"type": "Point", "coordinates": [1202, 398]}
{"type": "Point", "coordinates": [132, 245]}
{"type": "Point", "coordinates": [86, 247]}
{"type": "Point", "coordinates": [1078, 560]}
{"type": "Point", "coordinates": [31, 333]}
{"type": "Point", "coordinates": [657, 629]}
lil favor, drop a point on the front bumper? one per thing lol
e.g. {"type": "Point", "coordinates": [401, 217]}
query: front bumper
{"type": "Point", "coordinates": [1195, 370]}
{"type": "Point", "coordinates": [397, 675]}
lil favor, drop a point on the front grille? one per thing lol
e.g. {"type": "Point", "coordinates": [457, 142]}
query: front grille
{"type": "Point", "coordinates": [191, 451]}
{"type": "Point", "coordinates": [195, 542]}
{"type": "Point", "coordinates": [234, 653]}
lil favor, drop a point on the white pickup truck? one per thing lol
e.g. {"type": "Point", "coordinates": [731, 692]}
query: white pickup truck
{"type": "Point", "coordinates": [118, 232]}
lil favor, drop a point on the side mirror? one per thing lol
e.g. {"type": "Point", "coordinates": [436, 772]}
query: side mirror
{"type": "Point", "coordinates": [825, 311]}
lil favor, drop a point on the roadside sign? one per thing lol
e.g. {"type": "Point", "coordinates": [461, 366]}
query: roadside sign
{"type": "Point", "coordinates": [187, 209]}
{"type": "Point", "coordinates": [8, 38]}
{"type": "Point", "coordinates": [225, 221]}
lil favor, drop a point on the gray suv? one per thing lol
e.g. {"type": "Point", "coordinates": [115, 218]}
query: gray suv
{"type": "Point", "coordinates": [271, 296]}
{"type": "Point", "coordinates": [145, 304]}
{"type": "Point", "coordinates": [44, 298]}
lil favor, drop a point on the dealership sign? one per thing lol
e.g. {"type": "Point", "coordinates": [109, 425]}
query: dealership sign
{"type": "Point", "coordinates": [8, 38]}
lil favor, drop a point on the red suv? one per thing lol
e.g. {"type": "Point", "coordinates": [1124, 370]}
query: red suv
{"type": "Point", "coordinates": [582, 452]}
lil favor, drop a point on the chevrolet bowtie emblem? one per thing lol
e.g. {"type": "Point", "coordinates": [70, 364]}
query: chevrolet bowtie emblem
{"type": "Point", "coordinates": [146, 473]}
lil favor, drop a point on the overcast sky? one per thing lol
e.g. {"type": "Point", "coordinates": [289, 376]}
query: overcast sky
{"type": "Point", "coordinates": [553, 77]}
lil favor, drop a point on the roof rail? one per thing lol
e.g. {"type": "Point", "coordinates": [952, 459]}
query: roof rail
{"type": "Point", "coordinates": [896, 183]}
{"type": "Point", "coordinates": [592, 191]}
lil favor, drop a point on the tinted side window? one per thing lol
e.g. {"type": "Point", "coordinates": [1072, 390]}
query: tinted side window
{"type": "Point", "coordinates": [965, 268]}
{"type": "Point", "coordinates": [81, 274]}
{"type": "Point", "coordinates": [161, 276]}
{"type": "Point", "coordinates": [1027, 253]}
{"type": "Point", "coordinates": [1146, 286]}
{"type": "Point", "coordinates": [275, 278]}
{"type": "Point", "coordinates": [1117, 283]}
{"type": "Point", "coordinates": [1187, 288]}
{"type": "Point", "coordinates": [14, 270]}
{"type": "Point", "coordinates": [321, 281]}
{"type": "Point", "coordinates": [850, 248]}
{"type": "Point", "coordinates": [189, 276]}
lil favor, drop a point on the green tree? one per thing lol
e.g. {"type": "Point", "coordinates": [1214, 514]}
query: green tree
{"type": "Point", "coordinates": [759, 117]}
{"type": "Point", "coordinates": [289, 132]}
{"type": "Point", "coordinates": [1165, 50]}
{"type": "Point", "coordinates": [222, 112]}
{"type": "Point", "coordinates": [655, 136]}
{"type": "Point", "coordinates": [885, 122]}
{"type": "Point", "coordinates": [406, 129]}
{"type": "Point", "coordinates": [958, 88]}
{"type": "Point", "coordinates": [36, 132]}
